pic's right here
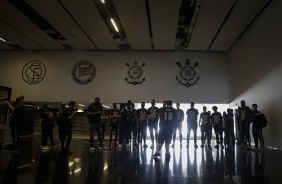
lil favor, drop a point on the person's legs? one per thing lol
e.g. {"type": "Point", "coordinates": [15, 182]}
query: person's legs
{"type": "Point", "coordinates": [91, 133]}
{"type": "Point", "coordinates": [69, 137]}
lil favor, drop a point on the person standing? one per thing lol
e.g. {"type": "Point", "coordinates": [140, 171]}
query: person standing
{"type": "Point", "coordinates": [153, 118]}
{"type": "Point", "coordinates": [66, 126]}
{"type": "Point", "coordinates": [94, 114]}
{"type": "Point", "coordinates": [16, 121]}
{"type": "Point", "coordinates": [245, 115]}
{"type": "Point", "coordinates": [125, 125]}
{"type": "Point", "coordinates": [47, 124]}
{"type": "Point", "coordinates": [178, 124]}
{"type": "Point", "coordinates": [114, 123]}
{"type": "Point", "coordinates": [229, 127]}
{"type": "Point", "coordinates": [258, 118]}
{"type": "Point", "coordinates": [205, 124]}
{"type": "Point", "coordinates": [142, 124]}
{"type": "Point", "coordinates": [167, 120]}
{"type": "Point", "coordinates": [134, 125]}
{"type": "Point", "coordinates": [216, 120]}
{"type": "Point", "coordinates": [192, 123]}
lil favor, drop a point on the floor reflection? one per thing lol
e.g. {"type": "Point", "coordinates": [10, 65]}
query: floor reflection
{"type": "Point", "coordinates": [136, 165]}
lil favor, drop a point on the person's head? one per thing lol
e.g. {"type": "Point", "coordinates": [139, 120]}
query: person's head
{"type": "Point", "coordinates": [45, 107]}
{"type": "Point", "coordinates": [115, 105]}
{"type": "Point", "coordinates": [63, 105]}
{"type": "Point", "coordinates": [214, 108]}
{"type": "Point", "coordinates": [20, 98]}
{"type": "Point", "coordinates": [169, 103]}
{"type": "Point", "coordinates": [254, 106]}
{"type": "Point", "coordinates": [132, 105]}
{"type": "Point", "coordinates": [72, 104]}
{"type": "Point", "coordinates": [209, 112]}
{"type": "Point", "coordinates": [97, 100]}
{"type": "Point", "coordinates": [229, 111]}
{"type": "Point", "coordinates": [192, 104]}
{"type": "Point", "coordinates": [143, 104]}
{"type": "Point", "coordinates": [128, 103]}
{"type": "Point", "coordinates": [164, 103]}
{"type": "Point", "coordinates": [153, 102]}
{"type": "Point", "coordinates": [204, 108]}
{"type": "Point", "coordinates": [177, 105]}
{"type": "Point", "coordinates": [243, 103]}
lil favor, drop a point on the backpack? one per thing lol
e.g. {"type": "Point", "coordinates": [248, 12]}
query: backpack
{"type": "Point", "coordinates": [260, 119]}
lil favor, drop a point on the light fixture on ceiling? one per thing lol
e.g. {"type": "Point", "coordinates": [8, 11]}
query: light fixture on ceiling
{"type": "Point", "coordinates": [114, 24]}
{"type": "Point", "coordinates": [3, 40]}
{"type": "Point", "coordinates": [103, 1]}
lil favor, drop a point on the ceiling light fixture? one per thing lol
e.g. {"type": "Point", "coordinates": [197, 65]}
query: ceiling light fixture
{"type": "Point", "coordinates": [103, 1]}
{"type": "Point", "coordinates": [114, 24]}
{"type": "Point", "coordinates": [3, 40]}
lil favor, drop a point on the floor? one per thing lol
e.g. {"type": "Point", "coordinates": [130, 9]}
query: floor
{"type": "Point", "coordinates": [136, 165]}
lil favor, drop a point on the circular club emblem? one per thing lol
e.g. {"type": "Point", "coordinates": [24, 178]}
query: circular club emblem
{"type": "Point", "coordinates": [135, 72]}
{"type": "Point", "coordinates": [33, 72]}
{"type": "Point", "coordinates": [187, 73]}
{"type": "Point", "coordinates": [83, 72]}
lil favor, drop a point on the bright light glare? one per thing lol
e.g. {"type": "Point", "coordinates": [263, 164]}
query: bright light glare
{"type": "Point", "coordinates": [114, 24]}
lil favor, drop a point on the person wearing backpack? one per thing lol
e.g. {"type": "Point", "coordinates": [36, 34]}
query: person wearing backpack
{"type": "Point", "coordinates": [259, 121]}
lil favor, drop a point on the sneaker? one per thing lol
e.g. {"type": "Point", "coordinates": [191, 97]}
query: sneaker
{"type": "Point", "coordinates": [145, 146]}
{"type": "Point", "coordinates": [152, 146]}
{"type": "Point", "coordinates": [156, 155]}
{"type": "Point", "coordinates": [196, 146]}
{"type": "Point", "coordinates": [216, 146]}
{"type": "Point", "coordinates": [92, 148]}
{"type": "Point", "coordinates": [172, 145]}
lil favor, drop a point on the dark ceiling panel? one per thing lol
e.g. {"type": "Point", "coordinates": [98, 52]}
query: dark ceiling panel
{"type": "Point", "coordinates": [135, 25]}
{"type": "Point", "coordinates": [88, 17]}
{"type": "Point", "coordinates": [164, 16]}
{"type": "Point", "coordinates": [240, 18]}
{"type": "Point", "coordinates": [16, 37]}
{"type": "Point", "coordinates": [23, 25]}
{"type": "Point", "coordinates": [53, 12]}
{"type": "Point", "coordinates": [211, 16]}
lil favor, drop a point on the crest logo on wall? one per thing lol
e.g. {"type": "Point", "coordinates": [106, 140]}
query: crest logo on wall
{"type": "Point", "coordinates": [33, 72]}
{"type": "Point", "coordinates": [187, 74]}
{"type": "Point", "coordinates": [83, 72]}
{"type": "Point", "coordinates": [135, 73]}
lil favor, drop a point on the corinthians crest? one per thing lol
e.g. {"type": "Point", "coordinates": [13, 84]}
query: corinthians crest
{"type": "Point", "coordinates": [187, 74]}
{"type": "Point", "coordinates": [135, 73]}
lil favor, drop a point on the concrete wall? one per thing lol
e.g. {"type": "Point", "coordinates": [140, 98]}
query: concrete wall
{"type": "Point", "coordinates": [255, 68]}
{"type": "Point", "coordinates": [160, 73]}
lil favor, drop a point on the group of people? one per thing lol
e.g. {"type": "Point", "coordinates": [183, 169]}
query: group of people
{"type": "Point", "coordinates": [130, 125]}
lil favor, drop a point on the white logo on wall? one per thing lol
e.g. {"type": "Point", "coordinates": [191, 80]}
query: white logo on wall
{"type": "Point", "coordinates": [33, 72]}
{"type": "Point", "coordinates": [83, 72]}
{"type": "Point", "coordinates": [188, 75]}
{"type": "Point", "coordinates": [135, 73]}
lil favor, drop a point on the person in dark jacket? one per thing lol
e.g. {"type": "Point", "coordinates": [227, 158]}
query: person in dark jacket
{"type": "Point", "coordinates": [257, 128]}
{"type": "Point", "coordinates": [16, 121]}
{"type": "Point", "coordinates": [47, 123]}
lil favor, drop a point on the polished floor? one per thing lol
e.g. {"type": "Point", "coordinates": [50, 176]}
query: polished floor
{"type": "Point", "coordinates": [136, 165]}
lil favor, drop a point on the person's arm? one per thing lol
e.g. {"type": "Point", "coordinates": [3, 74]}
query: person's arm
{"type": "Point", "coordinates": [9, 106]}
{"type": "Point", "coordinates": [200, 121]}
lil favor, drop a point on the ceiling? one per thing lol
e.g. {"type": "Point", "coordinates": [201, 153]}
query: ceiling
{"type": "Point", "coordinates": [201, 25]}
